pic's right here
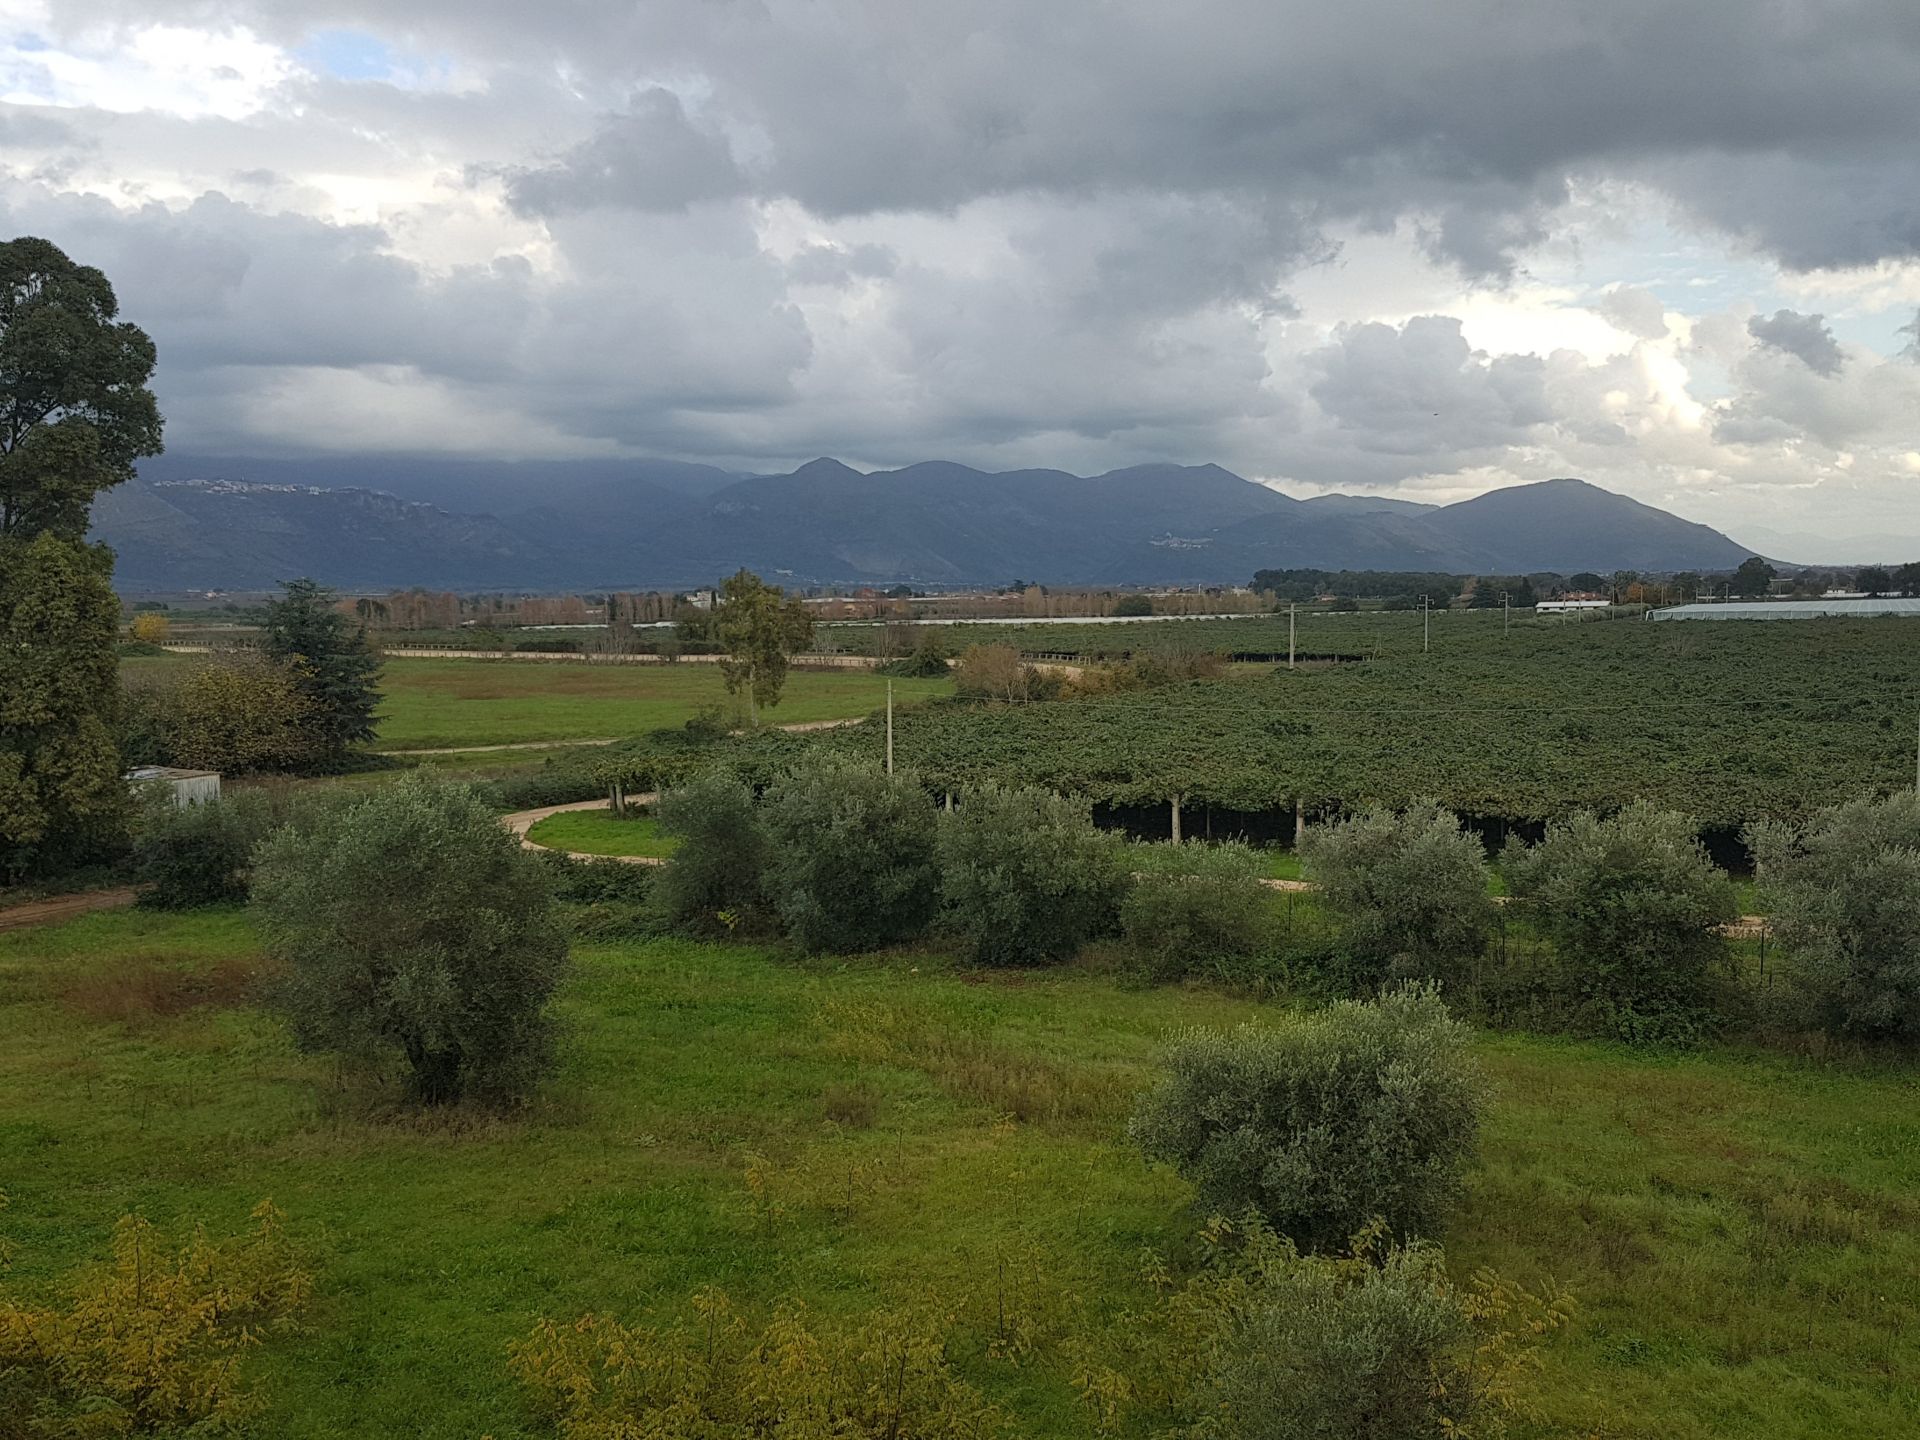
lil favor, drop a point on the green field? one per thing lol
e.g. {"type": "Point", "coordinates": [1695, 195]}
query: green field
{"type": "Point", "coordinates": [599, 832]}
{"type": "Point", "coordinates": [441, 703]}
{"type": "Point", "coordinates": [1740, 1231]}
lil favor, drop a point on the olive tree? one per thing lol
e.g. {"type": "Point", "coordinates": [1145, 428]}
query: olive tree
{"type": "Point", "coordinates": [1365, 1111]}
{"type": "Point", "coordinates": [1025, 878]}
{"type": "Point", "coordinates": [719, 867]}
{"type": "Point", "coordinates": [1633, 906]}
{"type": "Point", "coordinates": [1843, 892]}
{"type": "Point", "coordinates": [410, 923]}
{"type": "Point", "coordinates": [850, 856]}
{"type": "Point", "coordinates": [1408, 888]}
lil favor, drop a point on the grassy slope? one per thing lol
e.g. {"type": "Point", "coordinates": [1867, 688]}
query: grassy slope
{"type": "Point", "coordinates": [1741, 1232]}
{"type": "Point", "coordinates": [598, 832]}
{"type": "Point", "coordinates": [431, 703]}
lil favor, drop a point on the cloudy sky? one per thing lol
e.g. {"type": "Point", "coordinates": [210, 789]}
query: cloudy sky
{"type": "Point", "coordinates": [1424, 250]}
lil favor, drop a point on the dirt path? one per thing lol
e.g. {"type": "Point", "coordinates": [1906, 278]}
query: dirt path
{"type": "Point", "coordinates": [63, 907]}
{"type": "Point", "coordinates": [515, 745]}
{"type": "Point", "coordinates": [521, 821]}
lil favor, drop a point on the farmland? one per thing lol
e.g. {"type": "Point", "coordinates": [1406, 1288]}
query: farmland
{"type": "Point", "coordinates": [1738, 1230]}
{"type": "Point", "coordinates": [1743, 722]}
{"type": "Point", "coordinates": [447, 704]}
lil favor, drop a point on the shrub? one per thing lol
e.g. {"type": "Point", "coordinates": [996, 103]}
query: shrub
{"type": "Point", "coordinates": [605, 898]}
{"type": "Point", "coordinates": [1379, 1345]}
{"type": "Point", "coordinates": [151, 1343]}
{"type": "Point", "coordinates": [1362, 1111]}
{"type": "Point", "coordinates": [927, 659]}
{"type": "Point", "coordinates": [1408, 888]}
{"type": "Point", "coordinates": [1843, 894]}
{"type": "Point", "coordinates": [719, 868]}
{"type": "Point", "coordinates": [409, 921]}
{"type": "Point", "coordinates": [1195, 905]}
{"type": "Point", "coordinates": [886, 1375]}
{"type": "Point", "coordinates": [851, 856]}
{"type": "Point", "coordinates": [1024, 876]}
{"type": "Point", "coordinates": [996, 672]}
{"type": "Point", "coordinates": [1632, 904]}
{"type": "Point", "coordinates": [186, 856]}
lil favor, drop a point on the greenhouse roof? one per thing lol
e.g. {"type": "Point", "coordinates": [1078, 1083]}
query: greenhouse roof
{"type": "Point", "coordinates": [1790, 609]}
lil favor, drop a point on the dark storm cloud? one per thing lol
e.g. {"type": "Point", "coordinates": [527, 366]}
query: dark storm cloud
{"type": "Point", "coordinates": [651, 157]}
{"type": "Point", "coordinates": [1473, 115]}
{"type": "Point", "coordinates": [1805, 337]}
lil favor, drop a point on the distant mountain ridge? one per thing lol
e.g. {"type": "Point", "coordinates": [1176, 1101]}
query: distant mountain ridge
{"type": "Point", "coordinates": [190, 523]}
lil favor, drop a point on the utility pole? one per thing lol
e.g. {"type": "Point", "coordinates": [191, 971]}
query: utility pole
{"type": "Point", "coordinates": [1426, 626]}
{"type": "Point", "coordinates": [1290, 634]}
{"type": "Point", "coordinates": [1506, 611]}
{"type": "Point", "coordinates": [889, 727]}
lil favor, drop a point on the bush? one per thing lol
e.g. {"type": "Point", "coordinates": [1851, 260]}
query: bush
{"type": "Point", "coordinates": [719, 869]}
{"type": "Point", "coordinates": [1380, 1345]}
{"type": "Point", "coordinates": [1843, 894]}
{"type": "Point", "coordinates": [150, 1343]}
{"type": "Point", "coordinates": [1360, 1112]}
{"type": "Point", "coordinates": [409, 921]}
{"type": "Point", "coordinates": [186, 856]}
{"type": "Point", "coordinates": [851, 856]}
{"type": "Point", "coordinates": [1632, 905]}
{"type": "Point", "coordinates": [1409, 890]}
{"type": "Point", "coordinates": [1024, 876]}
{"type": "Point", "coordinates": [1196, 905]}
{"type": "Point", "coordinates": [882, 1376]}
{"type": "Point", "coordinates": [996, 672]}
{"type": "Point", "coordinates": [927, 659]}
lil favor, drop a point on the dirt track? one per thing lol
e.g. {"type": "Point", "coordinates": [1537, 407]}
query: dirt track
{"type": "Point", "coordinates": [63, 907]}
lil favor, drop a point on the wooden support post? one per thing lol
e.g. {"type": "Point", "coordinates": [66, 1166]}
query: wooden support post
{"type": "Point", "coordinates": [1299, 824]}
{"type": "Point", "coordinates": [1176, 819]}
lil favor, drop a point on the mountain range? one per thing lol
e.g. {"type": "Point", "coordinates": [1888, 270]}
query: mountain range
{"type": "Point", "coordinates": [191, 523]}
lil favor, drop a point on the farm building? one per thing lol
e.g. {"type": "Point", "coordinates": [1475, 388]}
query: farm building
{"type": "Point", "coordinates": [1553, 607]}
{"type": "Point", "coordinates": [189, 787]}
{"type": "Point", "coordinates": [1791, 609]}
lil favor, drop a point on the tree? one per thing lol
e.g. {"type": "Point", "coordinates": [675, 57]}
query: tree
{"type": "Point", "coordinates": [411, 922]}
{"type": "Point", "coordinates": [75, 413]}
{"type": "Point", "coordinates": [1024, 877]}
{"type": "Point", "coordinates": [1753, 577]}
{"type": "Point", "coordinates": [238, 716]}
{"type": "Point", "coordinates": [150, 627]}
{"type": "Point", "coordinates": [1874, 580]}
{"type": "Point", "coordinates": [759, 628]}
{"type": "Point", "coordinates": [993, 672]}
{"type": "Point", "coordinates": [1907, 578]}
{"type": "Point", "coordinates": [720, 865]}
{"type": "Point", "coordinates": [1363, 1111]}
{"type": "Point", "coordinates": [1633, 906]}
{"type": "Point", "coordinates": [62, 801]}
{"type": "Point", "coordinates": [75, 410]}
{"type": "Point", "coordinates": [1133, 605]}
{"type": "Point", "coordinates": [1686, 585]}
{"type": "Point", "coordinates": [331, 663]}
{"type": "Point", "coordinates": [1843, 894]}
{"type": "Point", "coordinates": [850, 856]}
{"type": "Point", "coordinates": [1408, 888]}
{"type": "Point", "coordinates": [1585, 582]}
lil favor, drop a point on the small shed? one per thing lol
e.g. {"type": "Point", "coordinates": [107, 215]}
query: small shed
{"type": "Point", "coordinates": [188, 787]}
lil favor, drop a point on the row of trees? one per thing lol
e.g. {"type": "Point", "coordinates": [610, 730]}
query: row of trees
{"type": "Point", "coordinates": [1636, 914]}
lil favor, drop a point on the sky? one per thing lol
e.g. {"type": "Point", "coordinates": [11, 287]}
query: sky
{"type": "Point", "coordinates": [1371, 247]}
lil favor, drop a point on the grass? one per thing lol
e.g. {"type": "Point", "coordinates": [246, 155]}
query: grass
{"type": "Point", "coordinates": [1740, 1230]}
{"type": "Point", "coordinates": [600, 832]}
{"type": "Point", "coordinates": [443, 703]}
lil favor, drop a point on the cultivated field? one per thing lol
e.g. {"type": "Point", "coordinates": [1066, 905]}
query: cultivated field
{"type": "Point", "coordinates": [1739, 1230]}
